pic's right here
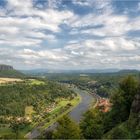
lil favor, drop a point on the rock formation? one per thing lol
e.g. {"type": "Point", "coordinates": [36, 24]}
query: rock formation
{"type": "Point", "coordinates": [5, 67]}
{"type": "Point", "coordinates": [136, 104]}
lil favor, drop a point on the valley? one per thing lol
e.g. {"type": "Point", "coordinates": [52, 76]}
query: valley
{"type": "Point", "coordinates": [69, 69]}
{"type": "Point", "coordinates": [33, 106]}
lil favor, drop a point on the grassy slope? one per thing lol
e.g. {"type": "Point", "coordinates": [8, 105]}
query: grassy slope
{"type": "Point", "coordinates": [73, 102]}
{"type": "Point", "coordinates": [11, 73]}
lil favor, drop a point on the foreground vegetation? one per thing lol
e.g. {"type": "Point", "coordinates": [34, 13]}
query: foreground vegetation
{"type": "Point", "coordinates": [11, 74]}
{"type": "Point", "coordinates": [121, 122]}
{"type": "Point", "coordinates": [26, 104]}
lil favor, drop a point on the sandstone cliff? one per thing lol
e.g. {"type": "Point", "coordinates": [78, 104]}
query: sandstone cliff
{"type": "Point", "coordinates": [5, 67]}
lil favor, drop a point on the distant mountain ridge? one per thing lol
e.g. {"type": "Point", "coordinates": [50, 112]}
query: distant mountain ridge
{"type": "Point", "coordinates": [129, 71]}
{"type": "Point", "coordinates": [45, 71]}
{"type": "Point", "coordinates": [69, 71]}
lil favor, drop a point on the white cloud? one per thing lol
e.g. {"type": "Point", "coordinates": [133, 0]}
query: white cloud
{"type": "Point", "coordinates": [81, 2]}
{"type": "Point", "coordinates": [108, 52]}
{"type": "Point", "coordinates": [24, 26]}
{"type": "Point", "coordinates": [47, 18]}
{"type": "Point", "coordinates": [99, 4]}
{"type": "Point", "coordinates": [106, 24]}
{"type": "Point", "coordinates": [54, 54]}
{"type": "Point", "coordinates": [87, 54]}
{"type": "Point", "coordinates": [30, 28]}
{"type": "Point", "coordinates": [108, 44]}
{"type": "Point", "coordinates": [17, 5]}
{"type": "Point", "coordinates": [112, 25]}
{"type": "Point", "coordinates": [54, 3]}
{"type": "Point", "coordinates": [20, 42]}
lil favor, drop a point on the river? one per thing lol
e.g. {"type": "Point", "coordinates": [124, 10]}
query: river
{"type": "Point", "coordinates": [76, 114]}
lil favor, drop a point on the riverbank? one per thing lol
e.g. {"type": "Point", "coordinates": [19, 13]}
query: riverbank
{"type": "Point", "coordinates": [76, 112]}
{"type": "Point", "coordinates": [44, 125]}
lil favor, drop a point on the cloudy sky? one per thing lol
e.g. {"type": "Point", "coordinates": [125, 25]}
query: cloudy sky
{"type": "Point", "coordinates": [70, 34]}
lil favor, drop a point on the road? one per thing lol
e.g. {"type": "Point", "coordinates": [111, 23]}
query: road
{"type": "Point", "coordinates": [76, 114]}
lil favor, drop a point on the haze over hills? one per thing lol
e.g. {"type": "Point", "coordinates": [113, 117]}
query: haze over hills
{"type": "Point", "coordinates": [35, 71]}
{"type": "Point", "coordinates": [9, 71]}
{"type": "Point", "coordinates": [45, 71]}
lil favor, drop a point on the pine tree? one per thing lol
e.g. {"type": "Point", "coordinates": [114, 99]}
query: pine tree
{"type": "Point", "coordinates": [67, 129]}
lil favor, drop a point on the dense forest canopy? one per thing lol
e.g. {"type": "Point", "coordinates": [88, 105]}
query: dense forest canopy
{"type": "Point", "coordinates": [15, 97]}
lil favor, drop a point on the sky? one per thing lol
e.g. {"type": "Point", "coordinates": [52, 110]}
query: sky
{"type": "Point", "coordinates": [70, 34]}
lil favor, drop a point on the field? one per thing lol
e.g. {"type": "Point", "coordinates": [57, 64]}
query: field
{"type": "Point", "coordinates": [35, 82]}
{"type": "Point", "coordinates": [29, 111]}
{"type": "Point", "coordinates": [13, 80]}
{"type": "Point", "coordinates": [9, 80]}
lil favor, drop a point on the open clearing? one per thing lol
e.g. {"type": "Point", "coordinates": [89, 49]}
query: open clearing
{"type": "Point", "coordinates": [29, 111]}
{"type": "Point", "coordinates": [36, 82]}
{"type": "Point", "coordinates": [12, 80]}
{"type": "Point", "coordinates": [7, 80]}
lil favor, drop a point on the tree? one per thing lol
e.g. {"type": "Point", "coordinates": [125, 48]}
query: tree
{"type": "Point", "coordinates": [129, 87]}
{"type": "Point", "coordinates": [121, 103]}
{"type": "Point", "coordinates": [118, 133]}
{"type": "Point", "coordinates": [48, 134]}
{"type": "Point", "coordinates": [67, 129]}
{"type": "Point", "coordinates": [91, 125]}
{"type": "Point", "coordinates": [16, 126]}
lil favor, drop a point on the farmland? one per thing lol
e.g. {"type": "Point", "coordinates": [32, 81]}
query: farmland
{"type": "Point", "coordinates": [9, 80]}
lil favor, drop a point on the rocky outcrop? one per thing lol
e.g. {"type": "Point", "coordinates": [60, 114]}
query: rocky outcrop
{"type": "Point", "coordinates": [134, 118]}
{"type": "Point", "coordinates": [136, 105]}
{"type": "Point", "coordinates": [5, 67]}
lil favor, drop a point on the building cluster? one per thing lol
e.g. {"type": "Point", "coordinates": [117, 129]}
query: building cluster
{"type": "Point", "coordinates": [104, 104]}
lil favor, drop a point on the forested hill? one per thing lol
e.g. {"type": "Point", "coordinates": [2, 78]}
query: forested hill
{"type": "Point", "coordinates": [9, 71]}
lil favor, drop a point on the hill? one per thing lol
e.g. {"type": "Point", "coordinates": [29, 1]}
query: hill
{"type": "Point", "coordinates": [9, 71]}
{"type": "Point", "coordinates": [128, 71]}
